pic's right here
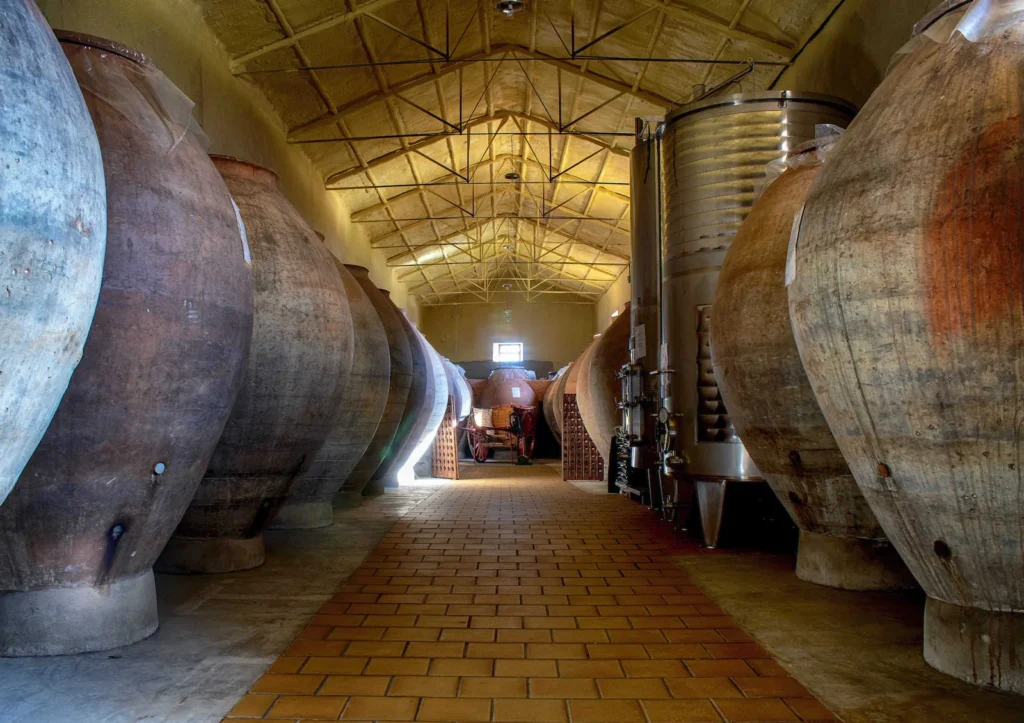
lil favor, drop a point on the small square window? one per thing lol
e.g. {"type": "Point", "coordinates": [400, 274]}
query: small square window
{"type": "Point", "coordinates": [508, 351]}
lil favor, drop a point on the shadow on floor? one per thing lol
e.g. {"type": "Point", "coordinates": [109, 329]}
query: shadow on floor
{"type": "Point", "coordinates": [218, 633]}
{"type": "Point", "coordinates": [860, 653]}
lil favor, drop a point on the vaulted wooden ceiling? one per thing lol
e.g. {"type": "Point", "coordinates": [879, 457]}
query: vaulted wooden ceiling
{"type": "Point", "coordinates": [488, 155]}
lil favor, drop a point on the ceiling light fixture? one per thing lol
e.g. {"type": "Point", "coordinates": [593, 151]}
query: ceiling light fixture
{"type": "Point", "coordinates": [508, 308]}
{"type": "Point", "coordinates": [512, 176]}
{"type": "Point", "coordinates": [509, 7]}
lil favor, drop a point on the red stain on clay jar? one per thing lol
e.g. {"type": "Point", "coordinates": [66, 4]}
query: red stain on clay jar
{"type": "Point", "coordinates": [973, 252]}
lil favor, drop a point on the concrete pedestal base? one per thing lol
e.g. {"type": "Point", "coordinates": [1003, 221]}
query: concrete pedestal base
{"type": "Point", "coordinates": [374, 488]}
{"type": "Point", "coordinates": [979, 646]}
{"type": "Point", "coordinates": [851, 563]}
{"type": "Point", "coordinates": [66, 620]}
{"type": "Point", "coordinates": [188, 555]}
{"type": "Point", "coordinates": [348, 499]}
{"type": "Point", "coordinates": [304, 516]}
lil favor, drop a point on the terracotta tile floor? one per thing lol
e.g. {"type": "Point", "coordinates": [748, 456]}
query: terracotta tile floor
{"type": "Point", "coordinates": [521, 599]}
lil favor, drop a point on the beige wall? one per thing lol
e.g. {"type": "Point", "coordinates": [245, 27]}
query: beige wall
{"type": "Point", "coordinates": [613, 300]}
{"type": "Point", "coordinates": [235, 116]}
{"type": "Point", "coordinates": [549, 331]}
{"type": "Point", "coordinates": [850, 55]}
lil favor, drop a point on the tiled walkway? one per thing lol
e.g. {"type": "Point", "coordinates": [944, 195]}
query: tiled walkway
{"type": "Point", "coordinates": [521, 599]}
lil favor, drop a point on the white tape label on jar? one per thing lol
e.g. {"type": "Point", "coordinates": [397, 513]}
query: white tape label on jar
{"type": "Point", "coordinates": [515, 392]}
{"type": "Point", "coordinates": [241, 232]}
{"type": "Point", "coordinates": [794, 236]}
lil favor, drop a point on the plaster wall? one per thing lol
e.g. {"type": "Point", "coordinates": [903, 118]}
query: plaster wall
{"type": "Point", "coordinates": [613, 300]}
{"type": "Point", "coordinates": [233, 113]}
{"type": "Point", "coordinates": [549, 331]}
{"type": "Point", "coordinates": [849, 56]}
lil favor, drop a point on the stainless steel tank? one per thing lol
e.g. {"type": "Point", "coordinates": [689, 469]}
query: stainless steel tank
{"type": "Point", "coordinates": [639, 386]}
{"type": "Point", "coordinates": [713, 158]}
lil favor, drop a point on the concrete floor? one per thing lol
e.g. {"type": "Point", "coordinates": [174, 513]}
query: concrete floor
{"type": "Point", "coordinates": [218, 633]}
{"type": "Point", "coordinates": [860, 653]}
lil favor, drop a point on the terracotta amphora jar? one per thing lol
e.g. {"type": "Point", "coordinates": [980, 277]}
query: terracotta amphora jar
{"type": "Point", "coordinates": [507, 385]}
{"type": "Point", "coordinates": [53, 230]}
{"type": "Point", "coordinates": [419, 403]}
{"type": "Point", "coordinates": [366, 391]}
{"type": "Point", "coordinates": [553, 399]}
{"type": "Point", "coordinates": [351, 493]}
{"type": "Point", "coordinates": [459, 389]}
{"type": "Point", "coordinates": [908, 310]}
{"type": "Point", "coordinates": [431, 413]}
{"type": "Point", "coordinates": [597, 387]}
{"type": "Point", "coordinates": [298, 367]}
{"type": "Point", "coordinates": [554, 389]}
{"type": "Point", "coordinates": [162, 366]}
{"type": "Point", "coordinates": [772, 405]}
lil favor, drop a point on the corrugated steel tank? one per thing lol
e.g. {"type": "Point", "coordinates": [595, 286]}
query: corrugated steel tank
{"type": "Point", "coordinates": [351, 493]}
{"type": "Point", "coordinates": [713, 157]}
{"type": "Point", "coordinates": [362, 404]}
{"type": "Point", "coordinates": [773, 406]}
{"type": "Point", "coordinates": [907, 309]}
{"type": "Point", "coordinates": [53, 230]}
{"type": "Point", "coordinates": [299, 363]}
{"type": "Point", "coordinates": [161, 369]}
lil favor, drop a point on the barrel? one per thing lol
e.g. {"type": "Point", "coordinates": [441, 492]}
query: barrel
{"type": "Point", "coordinates": [597, 386]}
{"type": "Point", "coordinates": [773, 407]}
{"type": "Point", "coordinates": [713, 157]}
{"type": "Point", "coordinates": [508, 385]}
{"type": "Point", "coordinates": [53, 230]}
{"type": "Point", "coordinates": [400, 359]}
{"type": "Point", "coordinates": [162, 366]}
{"type": "Point", "coordinates": [298, 367]}
{"type": "Point", "coordinates": [907, 310]}
{"type": "Point", "coordinates": [363, 401]}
